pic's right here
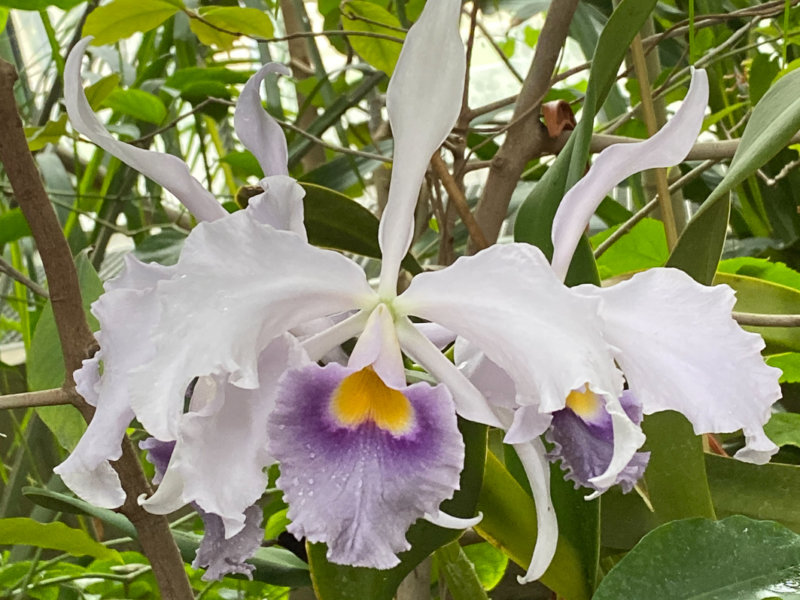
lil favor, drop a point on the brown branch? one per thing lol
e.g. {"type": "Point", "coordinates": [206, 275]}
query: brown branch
{"type": "Point", "coordinates": [54, 397]}
{"type": "Point", "coordinates": [460, 202]}
{"type": "Point", "coordinates": [6, 268]}
{"type": "Point", "coordinates": [526, 138]}
{"type": "Point", "coordinates": [77, 341]}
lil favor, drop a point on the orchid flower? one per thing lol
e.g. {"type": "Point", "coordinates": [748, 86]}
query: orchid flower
{"type": "Point", "coordinates": [674, 340]}
{"type": "Point", "coordinates": [363, 455]}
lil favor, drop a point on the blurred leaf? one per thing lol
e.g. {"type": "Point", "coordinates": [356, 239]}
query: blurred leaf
{"type": "Point", "coordinates": [775, 119]}
{"type": "Point", "coordinates": [339, 582]}
{"type": "Point", "coordinates": [188, 76]}
{"type": "Point", "coordinates": [789, 363]}
{"type": "Point", "coordinates": [612, 212]}
{"type": "Point", "coordinates": [163, 248]}
{"type": "Point", "coordinates": [692, 559]}
{"type": "Point", "coordinates": [40, 4]}
{"type": "Point", "coordinates": [758, 295]}
{"type": "Point", "coordinates": [39, 137]}
{"type": "Point", "coordinates": [643, 247]}
{"type": "Point", "coordinates": [459, 573]}
{"type": "Point", "coordinates": [13, 226]}
{"type": "Point", "coordinates": [46, 363]}
{"type": "Point", "coordinates": [784, 429]}
{"type": "Point", "coordinates": [761, 268]}
{"type": "Point", "coordinates": [763, 71]}
{"type": "Point", "coordinates": [53, 536]}
{"type": "Point", "coordinates": [233, 19]}
{"type": "Point", "coordinates": [335, 221]}
{"type": "Point", "coordinates": [137, 104]}
{"type": "Point", "coordinates": [490, 563]}
{"type": "Point", "coordinates": [758, 491]}
{"type": "Point", "coordinates": [122, 18]}
{"type": "Point", "coordinates": [101, 89]}
{"type": "Point", "coordinates": [509, 523]}
{"type": "Point", "coordinates": [364, 16]}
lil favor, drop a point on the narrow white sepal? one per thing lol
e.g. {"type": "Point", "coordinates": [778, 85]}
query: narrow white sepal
{"type": "Point", "coordinates": [442, 519]}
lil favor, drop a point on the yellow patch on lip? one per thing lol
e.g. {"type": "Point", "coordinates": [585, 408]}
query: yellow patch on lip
{"type": "Point", "coordinates": [585, 404]}
{"type": "Point", "coordinates": [363, 397]}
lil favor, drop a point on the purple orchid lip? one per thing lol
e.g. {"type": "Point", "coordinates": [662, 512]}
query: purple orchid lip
{"type": "Point", "coordinates": [360, 462]}
{"type": "Point", "coordinates": [583, 440]}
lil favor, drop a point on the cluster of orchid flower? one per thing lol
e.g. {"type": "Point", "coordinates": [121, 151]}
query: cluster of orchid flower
{"type": "Point", "coordinates": [247, 324]}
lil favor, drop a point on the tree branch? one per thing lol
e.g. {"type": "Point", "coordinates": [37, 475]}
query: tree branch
{"type": "Point", "coordinates": [77, 341]}
{"type": "Point", "coordinates": [526, 139]}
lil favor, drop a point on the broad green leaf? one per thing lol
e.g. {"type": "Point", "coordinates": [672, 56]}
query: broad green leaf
{"type": "Point", "coordinates": [335, 221]}
{"type": "Point", "coordinates": [39, 137]}
{"type": "Point", "coordinates": [101, 89]}
{"type": "Point", "coordinates": [784, 429]}
{"type": "Point", "coordinates": [509, 523]}
{"type": "Point", "coordinates": [789, 363]}
{"type": "Point", "coordinates": [775, 119]}
{"type": "Point", "coordinates": [364, 16]}
{"type": "Point", "coordinates": [758, 491]}
{"type": "Point", "coordinates": [189, 76]}
{"type": "Point", "coordinates": [137, 104]}
{"type": "Point", "coordinates": [234, 21]}
{"type": "Point", "coordinates": [761, 268]}
{"type": "Point", "coordinates": [13, 226]}
{"type": "Point", "coordinates": [459, 573]}
{"type": "Point", "coordinates": [40, 4]}
{"type": "Point", "coordinates": [643, 247]}
{"type": "Point", "coordinates": [163, 248]}
{"type": "Point", "coordinates": [338, 582]}
{"type": "Point", "coordinates": [759, 296]}
{"type": "Point", "coordinates": [699, 247]}
{"type": "Point", "coordinates": [276, 565]}
{"type": "Point", "coordinates": [122, 18]}
{"type": "Point", "coordinates": [676, 475]}
{"type": "Point", "coordinates": [489, 562]}
{"type": "Point", "coordinates": [46, 364]}
{"type": "Point", "coordinates": [734, 559]}
{"type": "Point", "coordinates": [52, 536]}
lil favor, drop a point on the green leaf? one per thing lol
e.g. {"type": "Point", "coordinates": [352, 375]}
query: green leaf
{"type": "Point", "coordinates": [46, 363]}
{"type": "Point", "coordinates": [509, 523]}
{"type": "Point", "coordinates": [459, 573]}
{"type": "Point", "coordinates": [276, 565]}
{"type": "Point", "coordinates": [52, 536]}
{"type": "Point", "coordinates": [736, 558]}
{"type": "Point", "coordinates": [163, 248]}
{"type": "Point", "coordinates": [784, 429]}
{"type": "Point", "coordinates": [789, 363]}
{"type": "Point", "coordinates": [775, 119]}
{"type": "Point", "coordinates": [676, 476]}
{"type": "Point", "coordinates": [338, 582]}
{"type": "Point", "coordinates": [489, 562]}
{"type": "Point", "coordinates": [40, 4]}
{"type": "Point", "coordinates": [190, 76]}
{"type": "Point", "coordinates": [757, 295]}
{"type": "Point", "coordinates": [758, 491]}
{"type": "Point", "coordinates": [235, 22]}
{"type": "Point", "coordinates": [39, 137]}
{"type": "Point", "coordinates": [13, 226]}
{"type": "Point", "coordinates": [643, 247]}
{"type": "Point", "coordinates": [102, 89]}
{"type": "Point", "coordinates": [122, 18]}
{"type": "Point", "coordinates": [761, 268]}
{"type": "Point", "coordinates": [364, 16]}
{"type": "Point", "coordinates": [137, 104]}
{"type": "Point", "coordinates": [335, 221]}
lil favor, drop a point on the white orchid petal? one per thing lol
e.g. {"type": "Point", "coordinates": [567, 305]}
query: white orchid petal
{"type": "Point", "coordinates": [528, 424]}
{"type": "Point", "coordinates": [616, 163]}
{"type": "Point", "coordinates": [469, 402]}
{"type": "Point", "coordinates": [442, 519]}
{"type": "Point", "coordinates": [237, 285]}
{"type": "Point", "coordinates": [322, 342]}
{"type": "Point", "coordinates": [681, 350]}
{"type": "Point", "coordinates": [378, 347]}
{"type": "Point", "coordinates": [507, 301]}
{"type": "Point", "coordinates": [423, 101]}
{"type": "Point", "coordinates": [494, 383]}
{"type": "Point", "coordinates": [532, 457]}
{"type": "Point", "coordinates": [221, 453]}
{"type": "Point", "coordinates": [168, 171]}
{"type": "Point", "coordinates": [256, 129]}
{"type": "Point", "coordinates": [438, 335]}
{"type": "Point", "coordinates": [280, 204]}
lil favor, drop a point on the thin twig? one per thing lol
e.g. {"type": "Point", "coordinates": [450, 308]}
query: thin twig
{"type": "Point", "coordinates": [37, 289]}
{"type": "Point", "coordinates": [460, 202]}
{"type": "Point", "coordinates": [54, 397]}
{"type": "Point", "coordinates": [760, 320]}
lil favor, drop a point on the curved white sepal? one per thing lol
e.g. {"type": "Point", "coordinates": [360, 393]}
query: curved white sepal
{"type": "Point", "coordinates": [442, 519]}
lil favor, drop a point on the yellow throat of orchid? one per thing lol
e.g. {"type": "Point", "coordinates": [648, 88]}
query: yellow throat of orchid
{"type": "Point", "coordinates": [363, 397]}
{"type": "Point", "coordinates": [584, 403]}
